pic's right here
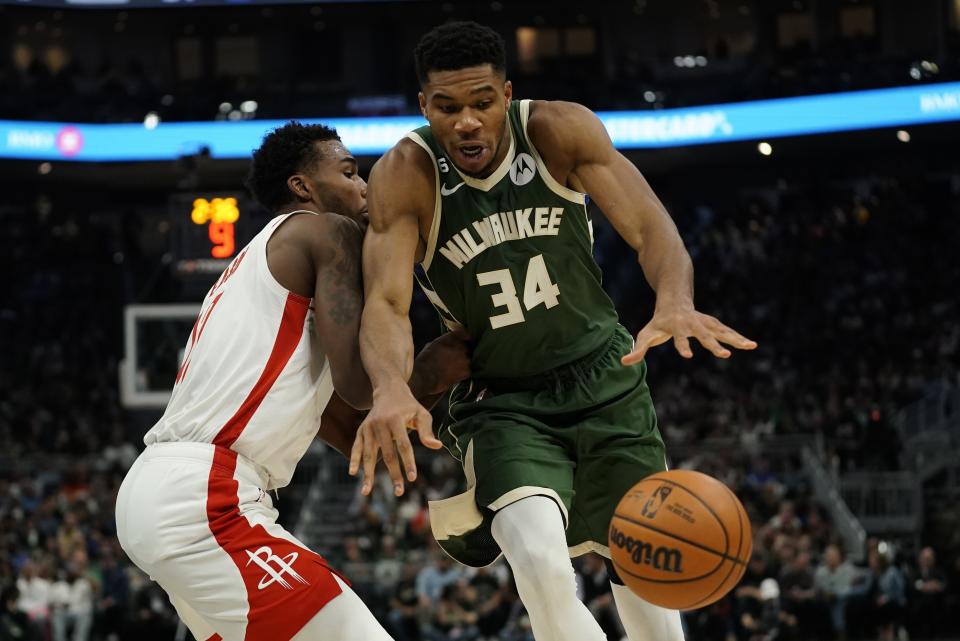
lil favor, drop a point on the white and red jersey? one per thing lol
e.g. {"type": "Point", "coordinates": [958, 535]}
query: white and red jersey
{"type": "Point", "coordinates": [253, 377]}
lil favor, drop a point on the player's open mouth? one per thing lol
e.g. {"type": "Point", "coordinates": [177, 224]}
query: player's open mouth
{"type": "Point", "coordinates": [471, 151]}
{"type": "Point", "coordinates": [472, 156]}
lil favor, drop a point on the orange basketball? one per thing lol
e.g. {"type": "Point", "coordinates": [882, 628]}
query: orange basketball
{"type": "Point", "coordinates": [680, 539]}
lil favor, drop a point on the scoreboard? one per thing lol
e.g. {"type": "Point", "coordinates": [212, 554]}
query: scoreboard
{"type": "Point", "coordinates": [209, 230]}
{"type": "Point", "coordinates": [219, 216]}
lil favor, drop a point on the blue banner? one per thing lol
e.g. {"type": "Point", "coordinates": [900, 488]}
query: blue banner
{"type": "Point", "coordinates": [372, 136]}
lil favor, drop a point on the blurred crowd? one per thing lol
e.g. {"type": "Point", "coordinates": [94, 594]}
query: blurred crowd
{"type": "Point", "coordinates": [799, 584]}
{"type": "Point", "coordinates": [38, 87]}
{"type": "Point", "coordinates": [45, 76]}
{"type": "Point", "coordinates": [63, 576]}
{"type": "Point", "coordinates": [848, 284]}
{"type": "Point", "coordinates": [849, 288]}
{"type": "Point", "coordinates": [65, 440]}
{"type": "Point", "coordinates": [846, 64]}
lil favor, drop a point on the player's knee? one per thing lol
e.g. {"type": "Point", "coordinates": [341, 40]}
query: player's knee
{"type": "Point", "coordinates": [351, 633]}
{"type": "Point", "coordinates": [345, 618]}
{"type": "Point", "coordinates": [531, 534]}
{"type": "Point", "coordinates": [534, 559]}
{"type": "Point", "coordinates": [552, 571]}
{"type": "Point", "coordinates": [536, 521]}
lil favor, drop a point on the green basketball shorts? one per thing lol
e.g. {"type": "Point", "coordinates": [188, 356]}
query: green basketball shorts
{"type": "Point", "coordinates": [582, 434]}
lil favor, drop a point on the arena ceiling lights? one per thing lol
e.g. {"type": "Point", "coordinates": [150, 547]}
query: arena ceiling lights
{"type": "Point", "coordinates": [756, 120]}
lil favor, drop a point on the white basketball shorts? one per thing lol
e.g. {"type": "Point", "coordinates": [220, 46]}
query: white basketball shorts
{"type": "Point", "coordinates": [194, 517]}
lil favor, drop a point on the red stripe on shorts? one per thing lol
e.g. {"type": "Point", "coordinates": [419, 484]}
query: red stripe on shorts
{"type": "Point", "coordinates": [286, 584]}
{"type": "Point", "coordinates": [288, 337]}
{"type": "Point", "coordinates": [215, 637]}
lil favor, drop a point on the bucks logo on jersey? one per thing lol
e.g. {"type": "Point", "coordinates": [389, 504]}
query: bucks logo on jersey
{"type": "Point", "coordinates": [510, 259]}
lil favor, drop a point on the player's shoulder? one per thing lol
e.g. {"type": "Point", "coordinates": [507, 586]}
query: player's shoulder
{"type": "Point", "coordinates": [405, 160]}
{"type": "Point", "coordinates": [306, 243]}
{"type": "Point", "coordinates": [314, 221]}
{"type": "Point", "coordinates": [404, 177]}
{"type": "Point", "coordinates": [319, 233]}
{"type": "Point", "coordinates": [557, 116]}
{"type": "Point", "coordinates": [554, 126]}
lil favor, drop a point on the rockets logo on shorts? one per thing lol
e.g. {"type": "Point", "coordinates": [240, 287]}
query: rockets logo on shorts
{"type": "Point", "coordinates": [275, 574]}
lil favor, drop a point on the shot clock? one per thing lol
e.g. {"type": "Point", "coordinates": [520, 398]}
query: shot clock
{"type": "Point", "coordinates": [219, 216]}
{"type": "Point", "coordinates": [210, 229]}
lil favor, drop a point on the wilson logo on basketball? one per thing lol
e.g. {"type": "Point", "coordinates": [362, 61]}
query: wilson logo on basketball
{"type": "Point", "coordinates": [660, 558]}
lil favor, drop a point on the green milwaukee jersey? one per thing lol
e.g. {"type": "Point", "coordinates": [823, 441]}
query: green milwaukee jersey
{"type": "Point", "coordinates": [509, 258]}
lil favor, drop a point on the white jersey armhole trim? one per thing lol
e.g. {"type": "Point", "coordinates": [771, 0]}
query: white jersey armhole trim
{"type": "Point", "coordinates": [437, 209]}
{"type": "Point", "coordinates": [434, 297]}
{"type": "Point", "coordinates": [264, 266]}
{"type": "Point", "coordinates": [552, 184]}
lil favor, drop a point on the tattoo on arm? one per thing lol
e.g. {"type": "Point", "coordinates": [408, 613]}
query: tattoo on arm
{"type": "Point", "coordinates": [341, 281]}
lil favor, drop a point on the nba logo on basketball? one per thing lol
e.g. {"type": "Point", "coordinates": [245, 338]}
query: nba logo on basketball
{"type": "Point", "coordinates": [653, 504]}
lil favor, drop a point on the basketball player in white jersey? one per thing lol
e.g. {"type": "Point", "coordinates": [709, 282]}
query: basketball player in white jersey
{"type": "Point", "coordinates": [276, 337]}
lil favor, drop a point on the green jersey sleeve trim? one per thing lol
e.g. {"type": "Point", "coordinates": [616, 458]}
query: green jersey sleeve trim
{"type": "Point", "coordinates": [552, 184]}
{"type": "Point", "coordinates": [437, 209]}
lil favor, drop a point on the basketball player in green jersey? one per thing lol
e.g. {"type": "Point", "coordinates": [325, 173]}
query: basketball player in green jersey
{"type": "Point", "coordinates": [557, 422]}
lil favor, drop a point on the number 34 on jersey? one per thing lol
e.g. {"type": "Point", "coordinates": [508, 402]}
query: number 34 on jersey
{"type": "Point", "coordinates": [538, 289]}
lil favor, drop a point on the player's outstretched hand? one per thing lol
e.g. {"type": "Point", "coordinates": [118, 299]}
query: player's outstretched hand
{"type": "Point", "coordinates": [681, 325]}
{"type": "Point", "coordinates": [384, 430]}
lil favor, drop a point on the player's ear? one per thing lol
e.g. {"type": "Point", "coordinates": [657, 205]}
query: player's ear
{"type": "Point", "coordinates": [423, 103]}
{"type": "Point", "coordinates": [508, 91]}
{"type": "Point", "coordinates": [299, 187]}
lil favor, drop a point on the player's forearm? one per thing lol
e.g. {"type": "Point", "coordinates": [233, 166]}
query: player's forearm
{"type": "Point", "coordinates": [441, 364]}
{"type": "Point", "coordinates": [422, 385]}
{"type": "Point", "coordinates": [386, 344]}
{"type": "Point", "coordinates": [666, 263]}
{"type": "Point", "coordinates": [350, 379]}
{"type": "Point", "coordinates": [339, 423]}
{"type": "Point", "coordinates": [354, 385]}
